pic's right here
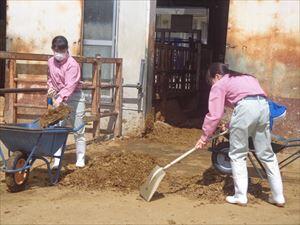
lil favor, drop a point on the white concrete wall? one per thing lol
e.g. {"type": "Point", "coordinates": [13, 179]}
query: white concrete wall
{"type": "Point", "coordinates": [132, 44]}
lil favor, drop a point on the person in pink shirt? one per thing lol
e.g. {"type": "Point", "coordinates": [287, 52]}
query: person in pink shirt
{"type": "Point", "coordinates": [64, 86]}
{"type": "Point", "coordinates": [250, 118]}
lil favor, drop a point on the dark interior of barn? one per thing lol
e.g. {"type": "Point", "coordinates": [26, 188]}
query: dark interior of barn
{"type": "Point", "coordinates": [2, 39]}
{"type": "Point", "coordinates": [190, 34]}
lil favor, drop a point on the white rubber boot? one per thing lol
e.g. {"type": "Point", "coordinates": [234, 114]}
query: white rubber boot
{"type": "Point", "coordinates": [275, 182]}
{"type": "Point", "coordinates": [56, 160]}
{"type": "Point", "coordinates": [80, 154]}
{"type": "Point", "coordinates": [240, 178]}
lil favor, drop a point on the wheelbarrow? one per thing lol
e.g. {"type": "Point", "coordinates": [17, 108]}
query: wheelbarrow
{"type": "Point", "coordinates": [26, 143]}
{"type": "Point", "coordinates": [221, 161]}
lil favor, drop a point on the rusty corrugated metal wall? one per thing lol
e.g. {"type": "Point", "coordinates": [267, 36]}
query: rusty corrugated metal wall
{"type": "Point", "coordinates": [264, 39]}
{"type": "Point", "coordinates": [31, 25]}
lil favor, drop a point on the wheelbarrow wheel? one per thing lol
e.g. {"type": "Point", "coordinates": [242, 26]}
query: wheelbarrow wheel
{"type": "Point", "coordinates": [220, 158]}
{"type": "Point", "coordinates": [16, 181]}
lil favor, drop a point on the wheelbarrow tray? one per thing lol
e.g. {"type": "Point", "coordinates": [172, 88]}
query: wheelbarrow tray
{"type": "Point", "coordinates": [24, 137]}
{"type": "Point", "coordinates": [34, 143]}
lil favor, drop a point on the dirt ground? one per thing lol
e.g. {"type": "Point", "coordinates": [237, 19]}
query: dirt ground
{"type": "Point", "coordinates": [106, 191]}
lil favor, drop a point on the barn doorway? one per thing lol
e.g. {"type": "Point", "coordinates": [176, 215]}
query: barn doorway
{"type": "Point", "coordinates": [189, 35]}
{"type": "Point", "coordinates": [2, 40]}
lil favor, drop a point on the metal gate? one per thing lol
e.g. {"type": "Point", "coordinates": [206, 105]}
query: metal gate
{"type": "Point", "coordinates": [176, 66]}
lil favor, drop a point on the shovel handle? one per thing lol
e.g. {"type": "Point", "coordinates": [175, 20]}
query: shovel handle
{"type": "Point", "coordinates": [180, 158]}
{"type": "Point", "coordinates": [191, 151]}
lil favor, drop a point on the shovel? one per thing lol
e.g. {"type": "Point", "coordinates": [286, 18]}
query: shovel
{"type": "Point", "coordinates": [148, 189]}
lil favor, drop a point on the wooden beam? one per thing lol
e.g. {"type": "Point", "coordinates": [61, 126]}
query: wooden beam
{"type": "Point", "coordinates": [24, 56]}
{"type": "Point", "coordinates": [108, 85]}
{"type": "Point", "coordinates": [98, 87]}
{"type": "Point", "coordinates": [22, 90]}
{"type": "Point", "coordinates": [33, 90]}
{"type": "Point", "coordinates": [6, 96]}
{"type": "Point", "coordinates": [111, 60]}
{"type": "Point", "coordinates": [10, 114]}
{"type": "Point", "coordinates": [150, 61]}
{"type": "Point", "coordinates": [94, 118]}
{"type": "Point", "coordinates": [30, 106]}
{"type": "Point", "coordinates": [107, 114]}
{"type": "Point", "coordinates": [118, 101]}
{"type": "Point", "coordinates": [43, 57]}
{"type": "Point", "coordinates": [31, 80]}
{"type": "Point", "coordinates": [95, 96]}
{"type": "Point", "coordinates": [95, 93]}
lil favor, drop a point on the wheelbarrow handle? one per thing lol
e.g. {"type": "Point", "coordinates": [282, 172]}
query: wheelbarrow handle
{"type": "Point", "coordinates": [218, 135]}
{"type": "Point", "coordinates": [2, 157]}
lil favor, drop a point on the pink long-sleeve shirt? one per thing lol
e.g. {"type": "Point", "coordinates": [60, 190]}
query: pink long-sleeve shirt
{"type": "Point", "coordinates": [227, 91]}
{"type": "Point", "coordinates": [64, 77]}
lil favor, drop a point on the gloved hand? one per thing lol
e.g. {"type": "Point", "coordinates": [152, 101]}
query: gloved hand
{"type": "Point", "coordinates": [200, 144]}
{"type": "Point", "coordinates": [223, 126]}
{"type": "Point", "coordinates": [51, 92]}
{"type": "Point", "coordinates": [55, 103]}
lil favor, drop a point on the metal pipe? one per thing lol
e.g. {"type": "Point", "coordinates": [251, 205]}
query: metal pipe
{"type": "Point", "coordinates": [132, 85]}
{"type": "Point", "coordinates": [289, 162]}
{"type": "Point", "coordinates": [294, 154]}
{"type": "Point", "coordinates": [254, 166]}
{"type": "Point", "coordinates": [136, 110]}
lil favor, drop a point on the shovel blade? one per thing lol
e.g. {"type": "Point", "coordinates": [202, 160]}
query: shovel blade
{"type": "Point", "coordinates": [148, 189]}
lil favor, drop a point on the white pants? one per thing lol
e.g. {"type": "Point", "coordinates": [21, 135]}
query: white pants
{"type": "Point", "coordinates": [250, 118]}
{"type": "Point", "coordinates": [77, 103]}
